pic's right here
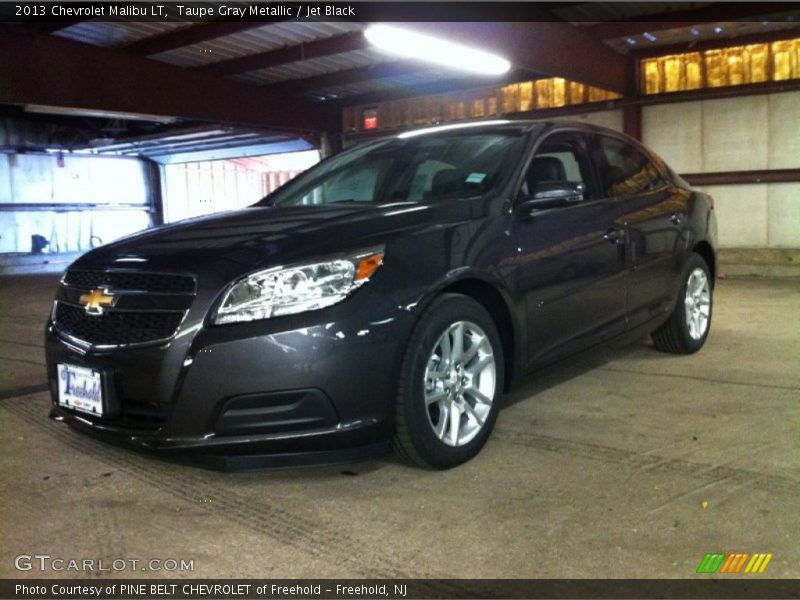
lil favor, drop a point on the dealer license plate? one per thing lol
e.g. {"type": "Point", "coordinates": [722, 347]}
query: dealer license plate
{"type": "Point", "coordinates": [80, 389]}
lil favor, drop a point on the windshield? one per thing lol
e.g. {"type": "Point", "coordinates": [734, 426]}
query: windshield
{"type": "Point", "coordinates": [425, 168]}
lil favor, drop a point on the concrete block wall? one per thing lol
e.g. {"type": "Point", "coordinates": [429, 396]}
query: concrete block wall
{"type": "Point", "coordinates": [737, 134]}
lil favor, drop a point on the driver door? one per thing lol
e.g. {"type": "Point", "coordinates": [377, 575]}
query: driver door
{"type": "Point", "coordinates": [571, 257]}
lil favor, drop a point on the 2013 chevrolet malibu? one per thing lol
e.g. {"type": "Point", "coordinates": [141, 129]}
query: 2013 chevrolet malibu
{"type": "Point", "coordinates": [387, 296]}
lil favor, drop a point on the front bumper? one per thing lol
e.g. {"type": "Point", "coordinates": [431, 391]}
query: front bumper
{"type": "Point", "coordinates": [237, 453]}
{"type": "Point", "coordinates": [304, 389]}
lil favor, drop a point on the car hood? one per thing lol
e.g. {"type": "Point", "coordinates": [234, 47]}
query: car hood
{"type": "Point", "coordinates": [264, 236]}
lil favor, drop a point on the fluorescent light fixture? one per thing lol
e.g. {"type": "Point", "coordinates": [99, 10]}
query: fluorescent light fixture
{"type": "Point", "coordinates": [417, 132]}
{"type": "Point", "coordinates": [430, 49]}
{"type": "Point", "coordinates": [102, 114]}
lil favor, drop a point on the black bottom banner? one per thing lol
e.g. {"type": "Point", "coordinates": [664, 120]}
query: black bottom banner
{"type": "Point", "coordinates": [286, 589]}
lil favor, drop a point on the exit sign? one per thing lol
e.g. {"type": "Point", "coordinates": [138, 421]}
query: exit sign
{"type": "Point", "coordinates": [369, 118]}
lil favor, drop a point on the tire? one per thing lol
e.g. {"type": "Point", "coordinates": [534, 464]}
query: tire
{"type": "Point", "coordinates": [432, 389]}
{"type": "Point", "coordinates": [681, 334]}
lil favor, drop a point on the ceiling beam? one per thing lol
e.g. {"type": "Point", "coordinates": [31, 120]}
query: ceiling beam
{"type": "Point", "coordinates": [53, 26]}
{"type": "Point", "coordinates": [187, 36]}
{"type": "Point", "coordinates": [553, 6]}
{"type": "Point", "coordinates": [442, 86]}
{"type": "Point", "coordinates": [347, 77]}
{"type": "Point", "coordinates": [717, 12]}
{"type": "Point", "coordinates": [552, 48]}
{"type": "Point", "coordinates": [533, 45]}
{"type": "Point", "coordinates": [50, 70]}
{"type": "Point", "coordinates": [271, 58]}
{"type": "Point", "coordinates": [548, 11]}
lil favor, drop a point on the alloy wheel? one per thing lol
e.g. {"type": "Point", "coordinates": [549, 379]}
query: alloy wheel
{"type": "Point", "coordinates": [459, 383]}
{"type": "Point", "coordinates": [698, 303]}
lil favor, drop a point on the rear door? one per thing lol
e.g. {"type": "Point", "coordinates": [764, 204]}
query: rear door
{"type": "Point", "coordinates": [655, 213]}
{"type": "Point", "coordinates": [571, 260]}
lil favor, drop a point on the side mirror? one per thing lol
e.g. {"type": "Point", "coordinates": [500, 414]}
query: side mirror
{"type": "Point", "coordinates": [552, 194]}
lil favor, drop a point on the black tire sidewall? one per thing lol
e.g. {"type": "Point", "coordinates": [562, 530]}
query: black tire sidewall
{"type": "Point", "coordinates": [445, 311]}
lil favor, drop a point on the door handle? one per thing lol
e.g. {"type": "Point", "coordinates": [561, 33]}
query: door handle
{"type": "Point", "coordinates": [675, 219]}
{"type": "Point", "coordinates": [615, 234]}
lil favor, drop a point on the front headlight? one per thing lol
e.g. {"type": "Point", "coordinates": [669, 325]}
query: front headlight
{"type": "Point", "coordinates": [289, 290]}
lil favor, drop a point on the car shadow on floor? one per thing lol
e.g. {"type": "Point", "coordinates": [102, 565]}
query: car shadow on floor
{"type": "Point", "coordinates": [574, 366]}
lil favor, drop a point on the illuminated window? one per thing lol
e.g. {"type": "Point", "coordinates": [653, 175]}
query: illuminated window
{"type": "Point", "coordinates": [738, 65]}
{"type": "Point", "coordinates": [473, 104]}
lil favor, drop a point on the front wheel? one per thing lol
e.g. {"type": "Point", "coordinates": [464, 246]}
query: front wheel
{"type": "Point", "coordinates": [451, 382]}
{"type": "Point", "coordinates": [687, 328]}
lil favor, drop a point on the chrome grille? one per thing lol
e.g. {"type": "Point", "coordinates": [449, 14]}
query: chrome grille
{"type": "Point", "coordinates": [148, 308]}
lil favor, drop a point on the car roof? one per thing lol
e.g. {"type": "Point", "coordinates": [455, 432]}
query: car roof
{"type": "Point", "coordinates": [501, 124]}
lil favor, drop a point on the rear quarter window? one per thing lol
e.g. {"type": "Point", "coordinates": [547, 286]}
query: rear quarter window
{"type": "Point", "coordinates": [625, 170]}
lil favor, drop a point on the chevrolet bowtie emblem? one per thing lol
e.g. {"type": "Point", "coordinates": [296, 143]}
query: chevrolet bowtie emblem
{"type": "Point", "coordinates": [96, 300]}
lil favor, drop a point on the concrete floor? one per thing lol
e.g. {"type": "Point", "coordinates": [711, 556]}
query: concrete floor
{"type": "Point", "coordinates": [628, 464]}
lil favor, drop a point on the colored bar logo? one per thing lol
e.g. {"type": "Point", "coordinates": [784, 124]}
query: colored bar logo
{"type": "Point", "coordinates": [733, 563]}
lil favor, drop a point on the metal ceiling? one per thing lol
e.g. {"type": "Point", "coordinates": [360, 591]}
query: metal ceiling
{"type": "Point", "coordinates": [261, 39]}
{"type": "Point", "coordinates": [592, 12]}
{"type": "Point", "coordinates": [314, 66]}
{"type": "Point", "coordinates": [400, 82]}
{"type": "Point", "coordinates": [271, 37]}
{"type": "Point", "coordinates": [274, 36]}
{"type": "Point", "coordinates": [106, 34]}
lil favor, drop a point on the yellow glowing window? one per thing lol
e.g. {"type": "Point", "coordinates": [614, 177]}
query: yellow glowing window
{"type": "Point", "coordinates": [738, 65]}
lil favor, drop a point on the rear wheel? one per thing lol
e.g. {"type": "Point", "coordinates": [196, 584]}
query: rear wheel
{"type": "Point", "coordinates": [687, 328]}
{"type": "Point", "coordinates": [451, 382]}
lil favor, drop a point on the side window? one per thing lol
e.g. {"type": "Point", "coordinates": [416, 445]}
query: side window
{"type": "Point", "coordinates": [625, 170]}
{"type": "Point", "coordinates": [562, 157]}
